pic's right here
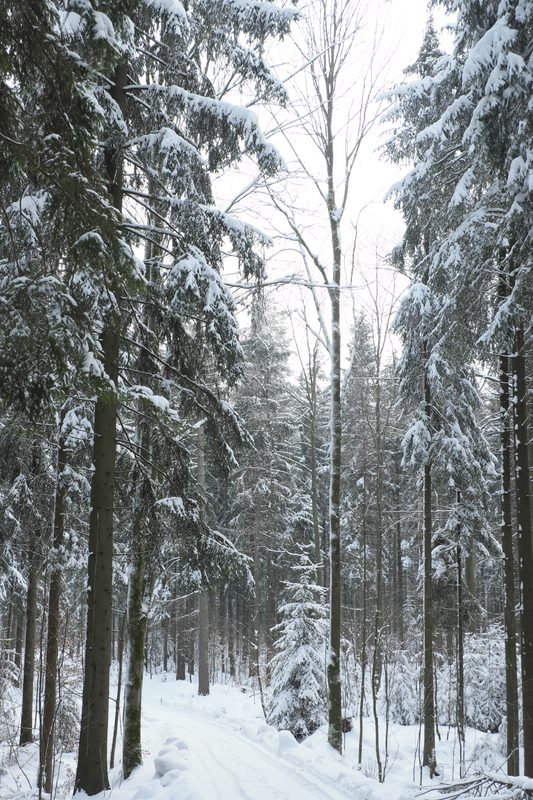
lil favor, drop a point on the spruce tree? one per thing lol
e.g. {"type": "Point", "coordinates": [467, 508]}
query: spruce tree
{"type": "Point", "coordinates": [467, 189]}
{"type": "Point", "coordinates": [298, 681]}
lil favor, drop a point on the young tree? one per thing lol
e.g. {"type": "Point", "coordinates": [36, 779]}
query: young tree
{"type": "Point", "coordinates": [297, 689]}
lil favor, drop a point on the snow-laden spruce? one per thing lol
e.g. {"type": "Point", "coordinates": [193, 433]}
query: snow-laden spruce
{"type": "Point", "coordinates": [297, 691]}
{"type": "Point", "coordinates": [464, 122]}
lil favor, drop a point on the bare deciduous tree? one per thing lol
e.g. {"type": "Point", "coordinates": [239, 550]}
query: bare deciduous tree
{"type": "Point", "coordinates": [335, 114]}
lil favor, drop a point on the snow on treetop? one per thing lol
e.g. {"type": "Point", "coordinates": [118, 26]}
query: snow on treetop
{"type": "Point", "coordinates": [93, 366]}
{"type": "Point", "coordinates": [173, 504]}
{"type": "Point", "coordinates": [173, 10]}
{"type": "Point", "coordinates": [30, 208]}
{"type": "Point", "coordinates": [256, 16]}
{"type": "Point", "coordinates": [243, 120]}
{"type": "Point", "coordinates": [495, 41]}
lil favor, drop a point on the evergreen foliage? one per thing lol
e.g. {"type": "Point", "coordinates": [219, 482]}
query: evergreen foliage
{"type": "Point", "coordinates": [298, 685]}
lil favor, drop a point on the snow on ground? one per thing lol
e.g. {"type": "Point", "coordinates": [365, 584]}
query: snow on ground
{"type": "Point", "coordinates": [219, 748]}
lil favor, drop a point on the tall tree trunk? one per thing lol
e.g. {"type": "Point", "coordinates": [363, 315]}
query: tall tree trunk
{"type": "Point", "coordinates": [203, 604]}
{"type": "Point", "coordinates": [164, 631]}
{"type": "Point", "coordinates": [180, 654]}
{"type": "Point", "coordinates": [137, 623]}
{"type": "Point", "coordinates": [363, 639]}
{"type": "Point", "coordinates": [319, 561]}
{"type": "Point", "coordinates": [428, 754]}
{"type": "Point", "coordinates": [19, 638]}
{"type": "Point", "coordinates": [271, 611]}
{"type": "Point", "coordinates": [473, 616]}
{"type": "Point", "coordinates": [92, 776]}
{"type": "Point", "coordinates": [376, 666]}
{"type": "Point", "coordinates": [120, 648]}
{"type": "Point", "coordinates": [232, 638]}
{"type": "Point", "coordinates": [378, 619]}
{"type": "Point", "coordinates": [460, 666]}
{"type": "Point", "coordinates": [26, 723]}
{"type": "Point", "coordinates": [400, 591]}
{"type": "Point", "coordinates": [46, 743]}
{"type": "Point", "coordinates": [525, 544]}
{"type": "Point", "coordinates": [189, 633]}
{"type": "Point", "coordinates": [256, 621]}
{"type": "Point", "coordinates": [335, 590]}
{"type": "Point", "coordinates": [203, 643]}
{"type": "Point", "coordinates": [511, 667]}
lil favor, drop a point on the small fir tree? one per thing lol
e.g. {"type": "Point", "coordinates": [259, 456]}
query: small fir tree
{"type": "Point", "coordinates": [298, 668]}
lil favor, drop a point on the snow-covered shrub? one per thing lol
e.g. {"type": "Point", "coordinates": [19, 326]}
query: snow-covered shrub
{"type": "Point", "coordinates": [484, 667]}
{"type": "Point", "coordinates": [404, 689]}
{"type": "Point", "coordinates": [68, 722]}
{"type": "Point", "coordinates": [351, 679]}
{"type": "Point", "coordinates": [446, 691]}
{"type": "Point", "coordinates": [9, 703]}
{"type": "Point", "coordinates": [484, 682]}
{"type": "Point", "coordinates": [487, 755]}
{"type": "Point", "coordinates": [298, 691]}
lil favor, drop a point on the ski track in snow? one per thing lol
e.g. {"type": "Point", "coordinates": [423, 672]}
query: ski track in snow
{"type": "Point", "coordinates": [238, 768]}
{"type": "Point", "coordinates": [205, 755]}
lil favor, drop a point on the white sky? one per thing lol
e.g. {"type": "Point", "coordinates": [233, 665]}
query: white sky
{"type": "Point", "coordinates": [402, 23]}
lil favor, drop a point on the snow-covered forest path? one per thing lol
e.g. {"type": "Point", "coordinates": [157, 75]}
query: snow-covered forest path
{"type": "Point", "coordinates": [219, 748]}
{"type": "Point", "coordinates": [220, 764]}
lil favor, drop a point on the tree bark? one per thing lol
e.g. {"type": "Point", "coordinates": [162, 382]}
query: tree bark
{"type": "Point", "coordinates": [460, 666]}
{"type": "Point", "coordinates": [335, 593]}
{"type": "Point", "coordinates": [525, 544]}
{"type": "Point", "coordinates": [92, 776]}
{"type": "Point", "coordinates": [363, 637]}
{"type": "Point", "coordinates": [137, 623]}
{"type": "Point", "coordinates": [203, 643]}
{"type": "Point", "coordinates": [232, 626]}
{"type": "Point", "coordinates": [377, 657]}
{"type": "Point", "coordinates": [511, 667]}
{"type": "Point", "coordinates": [26, 723]}
{"type": "Point", "coordinates": [203, 603]}
{"type": "Point", "coordinates": [317, 539]}
{"type": "Point", "coordinates": [189, 633]}
{"type": "Point", "coordinates": [400, 591]}
{"type": "Point", "coordinates": [180, 654]}
{"type": "Point", "coordinates": [428, 754]}
{"type": "Point", "coordinates": [46, 743]}
{"type": "Point", "coordinates": [120, 654]}
{"type": "Point", "coordinates": [164, 631]}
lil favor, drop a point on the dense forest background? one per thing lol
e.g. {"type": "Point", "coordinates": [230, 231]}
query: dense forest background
{"type": "Point", "coordinates": [310, 472]}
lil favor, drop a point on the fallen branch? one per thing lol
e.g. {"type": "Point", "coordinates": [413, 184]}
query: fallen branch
{"type": "Point", "coordinates": [483, 785]}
